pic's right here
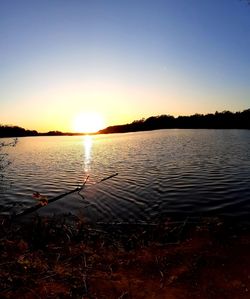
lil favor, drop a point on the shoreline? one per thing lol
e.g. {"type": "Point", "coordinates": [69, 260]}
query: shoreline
{"type": "Point", "coordinates": [122, 132]}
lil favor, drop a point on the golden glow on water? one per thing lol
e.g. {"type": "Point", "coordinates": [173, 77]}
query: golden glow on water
{"type": "Point", "coordinates": [87, 143]}
{"type": "Point", "coordinates": [185, 181]}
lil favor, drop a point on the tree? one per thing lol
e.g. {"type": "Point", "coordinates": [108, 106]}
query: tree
{"type": "Point", "coordinates": [4, 161]}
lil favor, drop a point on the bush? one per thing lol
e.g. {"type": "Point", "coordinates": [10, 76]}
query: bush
{"type": "Point", "coordinates": [4, 161]}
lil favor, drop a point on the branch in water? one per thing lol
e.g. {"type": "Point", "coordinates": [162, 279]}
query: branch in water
{"type": "Point", "coordinates": [41, 203]}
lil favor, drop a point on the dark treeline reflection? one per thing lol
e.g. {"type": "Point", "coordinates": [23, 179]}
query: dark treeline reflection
{"type": "Point", "coordinates": [218, 120]}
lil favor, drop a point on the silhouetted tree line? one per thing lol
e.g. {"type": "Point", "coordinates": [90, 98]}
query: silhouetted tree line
{"type": "Point", "coordinates": [15, 131]}
{"type": "Point", "coordinates": [218, 120]}
{"type": "Point", "coordinates": [53, 133]}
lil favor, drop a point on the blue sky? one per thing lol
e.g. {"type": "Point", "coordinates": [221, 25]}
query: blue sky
{"type": "Point", "coordinates": [122, 59]}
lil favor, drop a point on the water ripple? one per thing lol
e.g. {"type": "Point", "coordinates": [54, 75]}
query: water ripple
{"type": "Point", "coordinates": [166, 172]}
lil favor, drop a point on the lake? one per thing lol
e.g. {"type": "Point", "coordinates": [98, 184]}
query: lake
{"type": "Point", "coordinates": [160, 173]}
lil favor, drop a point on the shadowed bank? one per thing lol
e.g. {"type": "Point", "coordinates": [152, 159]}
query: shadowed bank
{"type": "Point", "coordinates": [69, 258]}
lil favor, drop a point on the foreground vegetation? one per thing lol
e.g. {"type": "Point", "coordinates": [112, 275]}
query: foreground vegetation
{"type": "Point", "coordinates": [4, 161]}
{"type": "Point", "coordinates": [68, 258]}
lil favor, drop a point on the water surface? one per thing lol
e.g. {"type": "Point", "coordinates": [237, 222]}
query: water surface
{"type": "Point", "coordinates": [164, 172]}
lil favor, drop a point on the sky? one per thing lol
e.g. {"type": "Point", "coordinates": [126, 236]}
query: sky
{"type": "Point", "coordinates": [122, 59]}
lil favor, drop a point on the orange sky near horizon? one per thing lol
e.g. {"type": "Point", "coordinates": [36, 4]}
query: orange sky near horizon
{"type": "Point", "coordinates": [124, 60]}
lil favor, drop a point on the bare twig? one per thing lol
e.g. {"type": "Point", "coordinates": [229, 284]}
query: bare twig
{"type": "Point", "coordinates": [123, 295]}
{"type": "Point", "coordinates": [85, 284]}
{"type": "Point", "coordinates": [109, 177]}
{"type": "Point", "coordinates": [78, 189]}
{"type": "Point", "coordinates": [38, 206]}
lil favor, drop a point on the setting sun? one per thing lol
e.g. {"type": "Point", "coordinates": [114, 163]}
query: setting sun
{"type": "Point", "coordinates": [88, 122]}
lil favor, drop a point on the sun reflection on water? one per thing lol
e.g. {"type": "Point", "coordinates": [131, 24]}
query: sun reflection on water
{"type": "Point", "coordinates": [87, 142]}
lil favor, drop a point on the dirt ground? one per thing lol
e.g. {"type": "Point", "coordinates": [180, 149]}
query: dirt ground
{"type": "Point", "coordinates": [209, 258]}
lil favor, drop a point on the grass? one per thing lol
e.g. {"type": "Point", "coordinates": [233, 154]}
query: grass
{"type": "Point", "coordinates": [61, 257]}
